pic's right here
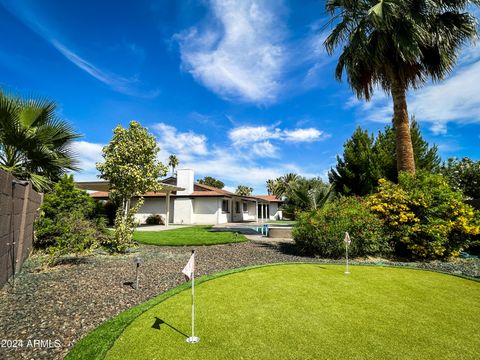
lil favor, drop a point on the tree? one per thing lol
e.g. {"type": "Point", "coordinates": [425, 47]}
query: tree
{"type": "Point", "coordinates": [69, 221]}
{"type": "Point", "coordinates": [357, 172]}
{"type": "Point", "coordinates": [426, 156]}
{"type": "Point", "coordinates": [367, 159]}
{"type": "Point", "coordinates": [132, 168]}
{"type": "Point", "coordinates": [211, 181]}
{"type": "Point", "coordinates": [271, 186]}
{"type": "Point", "coordinates": [243, 190]}
{"type": "Point", "coordinates": [463, 175]}
{"type": "Point", "coordinates": [284, 183]}
{"type": "Point", "coordinates": [173, 162]}
{"type": "Point", "coordinates": [398, 45]}
{"type": "Point", "coordinates": [35, 145]}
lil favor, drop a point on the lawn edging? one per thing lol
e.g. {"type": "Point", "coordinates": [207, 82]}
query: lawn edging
{"type": "Point", "coordinates": [95, 344]}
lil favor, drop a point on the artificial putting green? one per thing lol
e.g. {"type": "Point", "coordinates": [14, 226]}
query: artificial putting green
{"type": "Point", "coordinates": [188, 236]}
{"type": "Point", "coordinates": [305, 311]}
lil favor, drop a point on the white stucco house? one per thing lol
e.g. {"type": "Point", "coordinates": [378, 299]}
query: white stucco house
{"type": "Point", "coordinates": [183, 201]}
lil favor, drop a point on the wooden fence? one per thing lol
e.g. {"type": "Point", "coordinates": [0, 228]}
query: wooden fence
{"type": "Point", "coordinates": [19, 205]}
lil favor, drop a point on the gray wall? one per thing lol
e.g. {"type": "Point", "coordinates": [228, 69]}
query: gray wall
{"type": "Point", "coordinates": [18, 209]}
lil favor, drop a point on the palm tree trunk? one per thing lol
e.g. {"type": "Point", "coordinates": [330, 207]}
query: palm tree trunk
{"type": "Point", "coordinates": [404, 148]}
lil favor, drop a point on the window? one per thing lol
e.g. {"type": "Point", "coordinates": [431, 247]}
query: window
{"type": "Point", "coordinates": [237, 207]}
{"type": "Point", "coordinates": [245, 207]}
{"type": "Point", "coordinates": [225, 205]}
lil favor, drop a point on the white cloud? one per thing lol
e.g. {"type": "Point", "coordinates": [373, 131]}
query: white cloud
{"type": "Point", "coordinates": [303, 135]}
{"type": "Point", "coordinates": [88, 154]}
{"type": "Point", "coordinates": [246, 135]}
{"type": "Point", "coordinates": [239, 53]}
{"type": "Point", "coordinates": [249, 134]}
{"type": "Point", "coordinates": [116, 82]}
{"type": "Point", "coordinates": [129, 86]}
{"type": "Point", "coordinates": [183, 144]}
{"type": "Point", "coordinates": [265, 149]}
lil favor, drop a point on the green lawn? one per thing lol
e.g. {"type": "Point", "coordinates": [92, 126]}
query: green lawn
{"type": "Point", "coordinates": [193, 235]}
{"type": "Point", "coordinates": [302, 311]}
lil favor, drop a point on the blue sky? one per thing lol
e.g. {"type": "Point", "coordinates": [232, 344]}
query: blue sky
{"type": "Point", "coordinates": [239, 90]}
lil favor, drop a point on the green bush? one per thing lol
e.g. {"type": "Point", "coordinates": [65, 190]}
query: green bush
{"type": "Point", "coordinates": [69, 221]}
{"type": "Point", "coordinates": [78, 235]}
{"type": "Point", "coordinates": [154, 220]}
{"type": "Point", "coordinates": [426, 218]}
{"type": "Point", "coordinates": [321, 232]}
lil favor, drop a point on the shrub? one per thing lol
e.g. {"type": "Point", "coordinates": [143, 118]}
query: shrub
{"type": "Point", "coordinates": [154, 220]}
{"type": "Point", "coordinates": [78, 235]}
{"type": "Point", "coordinates": [68, 221]}
{"type": "Point", "coordinates": [321, 232]}
{"type": "Point", "coordinates": [426, 218]}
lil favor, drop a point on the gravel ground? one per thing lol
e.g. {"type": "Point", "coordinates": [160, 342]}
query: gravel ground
{"type": "Point", "coordinates": [59, 305]}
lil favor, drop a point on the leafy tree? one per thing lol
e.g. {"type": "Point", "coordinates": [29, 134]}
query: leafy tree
{"type": "Point", "coordinates": [463, 175]}
{"type": "Point", "coordinates": [173, 162]}
{"type": "Point", "coordinates": [132, 168]}
{"type": "Point", "coordinates": [367, 159]}
{"type": "Point", "coordinates": [211, 181]}
{"type": "Point", "coordinates": [35, 144]}
{"type": "Point", "coordinates": [357, 172]}
{"type": "Point", "coordinates": [243, 190]}
{"type": "Point", "coordinates": [398, 45]}
{"type": "Point", "coordinates": [69, 221]}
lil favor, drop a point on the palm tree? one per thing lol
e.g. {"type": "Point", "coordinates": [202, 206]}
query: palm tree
{"type": "Point", "coordinates": [398, 45]}
{"type": "Point", "coordinates": [271, 185]}
{"type": "Point", "coordinates": [284, 183]}
{"type": "Point", "coordinates": [173, 162]}
{"type": "Point", "coordinates": [35, 144]}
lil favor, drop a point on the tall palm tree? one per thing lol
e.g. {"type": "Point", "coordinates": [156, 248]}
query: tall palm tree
{"type": "Point", "coordinates": [35, 144]}
{"type": "Point", "coordinates": [173, 162]}
{"type": "Point", "coordinates": [398, 45]}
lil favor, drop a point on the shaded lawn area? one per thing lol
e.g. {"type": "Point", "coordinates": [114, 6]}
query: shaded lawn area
{"type": "Point", "coordinates": [193, 235]}
{"type": "Point", "coordinates": [301, 311]}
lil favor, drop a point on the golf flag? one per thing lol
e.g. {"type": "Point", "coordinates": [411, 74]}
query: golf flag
{"type": "Point", "coordinates": [189, 271]}
{"type": "Point", "coordinates": [347, 242]}
{"type": "Point", "coordinates": [190, 267]}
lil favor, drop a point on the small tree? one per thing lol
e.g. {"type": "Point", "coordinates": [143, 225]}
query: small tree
{"type": "Point", "coordinates": [463, 175]}
{"type": "Point", "coordinates": [132, 168]}
{"type": "Point", "coordinates": [173, 162]}
{"type": "Point", "coordinates": [211, 181]}
{"type": "Point", "coordinates": [243, 190]}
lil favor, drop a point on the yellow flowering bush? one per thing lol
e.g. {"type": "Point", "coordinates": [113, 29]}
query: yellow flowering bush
{"type": "Point", "coordinates": [426, 218]}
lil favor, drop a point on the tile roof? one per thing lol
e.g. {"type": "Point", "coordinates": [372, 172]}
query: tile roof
{"type": "Point", "coordinates": [200, 190]}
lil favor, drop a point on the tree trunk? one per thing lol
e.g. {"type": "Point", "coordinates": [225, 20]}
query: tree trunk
{"type": "Point", "coordinates": [404, 148]}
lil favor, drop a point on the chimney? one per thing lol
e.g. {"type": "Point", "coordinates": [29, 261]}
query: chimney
{"type": "Point", "coordinates": [185, 180]}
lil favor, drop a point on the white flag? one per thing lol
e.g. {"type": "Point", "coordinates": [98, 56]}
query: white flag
{"type": "Point", "coordinates": [347, 238]}
{"type": "Point", "coordinates": [190, 267]}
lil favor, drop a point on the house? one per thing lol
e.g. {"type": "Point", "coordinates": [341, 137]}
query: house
{"type": "Point", "coordinates": [183, 201]}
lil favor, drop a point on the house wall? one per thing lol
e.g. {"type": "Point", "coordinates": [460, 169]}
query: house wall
{"type": "Point", "coordinates": [183, 211]}
{"type": "Point", "coordinates": [151, 206]}
{"type": "Point", "coordinates": [275, 212]}
{"type": "Point", "coordinates": [249, 215]}
{"type": "Point", "coordinates": [206, 210]}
